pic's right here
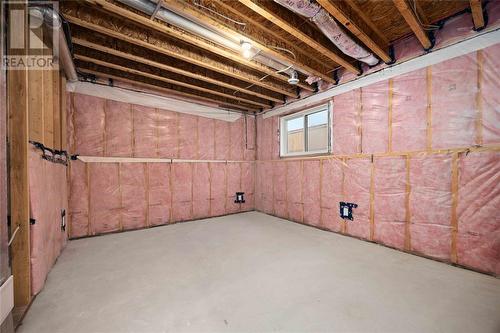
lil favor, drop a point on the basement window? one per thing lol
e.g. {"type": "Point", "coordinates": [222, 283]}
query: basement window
{"type": "Point", "coordinates": [306, 133]}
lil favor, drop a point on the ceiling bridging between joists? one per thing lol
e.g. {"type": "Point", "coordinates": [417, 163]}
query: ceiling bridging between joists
{"type": "Point", "coordinates": [117, 42]}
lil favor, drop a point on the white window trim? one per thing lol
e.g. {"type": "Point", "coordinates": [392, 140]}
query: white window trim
{"type": "Point", "coordinates": [283, 140]}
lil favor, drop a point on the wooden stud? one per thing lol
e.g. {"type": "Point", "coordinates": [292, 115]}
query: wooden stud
{"type": "Point", "coordinates": [132, 113]}
{"type": "Point", "coordinates": [372, 199]}
{"type": "Point", "coordinates": [454, 204]}
{"type": "Point", "coordinates": [318, 42]}
{"type": "Point", "coordinates": [407, 244]}
{"type": "Point", "coordinates": [391, 97]}
{"type": "Point", "coordinates": [104, 134]}
{"type": "Point", "coordinates": [35, 105]}
{"type": "Point", "coordinates": [146, 178]}
{"type": "Point", "coordinates": [173, 69]}
{"type": "Point", "coordinates": [89, 205]}
{"type": "Point", "coordinates": [479, 98]}
{"type": "Point", "coordinates": [18, 134]}
{"type": "Point", "coordinates": [48, 108]}
{"type": "Point", "coordinates": [360, 120]}
{"type": "Point", "coordinates": [120, 192]}
{"type": "Point", "coordinates": [64, 110]}
{"type": "Point", "coordinates": [349, 18]}
{"type": "Point", "coordinates": [429, 107]}
{"type": "Point", "coordinates": [176, 34]}
{"type": "Point", "coordinates": [302, 189]}
{"type": "Point", "coordinates": [170, 183]}
{"type": "Point", "coordinates": [412, 21]}
{"type": "Point", "coordinates": [56, 111]}
{"type": "Point", "coordinates": [342, 190]}
{"type": "Point", "coordinates": [320, 192]}
{"type": "Point", "coordinates": [476, 7]}
{"type": "Point", "coordinates": [167, 80]}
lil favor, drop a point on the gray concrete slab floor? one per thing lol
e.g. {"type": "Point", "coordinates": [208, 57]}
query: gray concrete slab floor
{"type": "Point", "coordinates": [255, 273]}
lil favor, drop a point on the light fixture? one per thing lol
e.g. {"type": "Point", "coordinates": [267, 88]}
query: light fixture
{"type": "Point", "coordinates": [294, 78]}
{"type": "Point", "coordinates": [246, 48]}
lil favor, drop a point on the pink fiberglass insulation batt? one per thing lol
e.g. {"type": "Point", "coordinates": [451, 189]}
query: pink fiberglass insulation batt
{"type": "Point", "coordinates": [346, 122]}
{"type": "Point", "coordinates": [125, 196]}
{"type": "Point", "coordinates": [404, 192]}
{"type": "Point", "coordinates": [100, 127]}
{"type": "Point", "coordinates": [389, 201]}
{"type": "Point", "coordinates": [478, 239]}
{"type": "Point", "coordinates": [409, 111]}
{"type": "Point", "coordinates": [48, 198]}
{"type": "Point", "coordinates": [375, 117]}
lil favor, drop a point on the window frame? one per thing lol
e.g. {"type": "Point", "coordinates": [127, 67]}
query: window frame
{"type": "Point", "coordinates": [283, 131]}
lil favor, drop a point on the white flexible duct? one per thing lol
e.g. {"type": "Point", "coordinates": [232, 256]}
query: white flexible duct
{"type": "Point", "coordinates": [330, 28]}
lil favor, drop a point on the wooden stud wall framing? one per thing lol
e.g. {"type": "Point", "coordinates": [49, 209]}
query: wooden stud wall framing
{"type": "Point", "coordinates": [18, 136]}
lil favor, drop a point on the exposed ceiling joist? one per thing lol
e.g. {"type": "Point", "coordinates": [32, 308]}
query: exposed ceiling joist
{"type": "Point", "coordinates": [131, 57]}
{"type": "Point", "coordinates": [178, 55]}
{"type": "Point", "coordinates": [198, 42]}
{"type": "Point", "coordinates": [258, 41]}
{"type": "Point", "coordinates": [476, 7]}
{"type": "Point", "coordinates": [168, 80]}
{"type": "Point", "coordinates": [413, 22]}
{"type": "Point", "coordinates": [170, 92]}
{"type": "Point", "coordinates": [271, 31]}
{"type": "Point", "coordinates": [349, 18]}
{"type": "Point", "coordinates": [315, 40]}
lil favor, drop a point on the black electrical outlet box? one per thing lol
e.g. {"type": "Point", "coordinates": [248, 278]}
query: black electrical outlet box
{"type": "Point", "coordinates": [63, 220]}
{"type": "Point", "coordinates": [240, 197]}
{"type": "Point", "coordinates": [346, 210]}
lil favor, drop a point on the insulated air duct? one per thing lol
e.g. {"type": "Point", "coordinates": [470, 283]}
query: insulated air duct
{"type": "Point", "coordinates": [53, 21]}
{"type": "Point", "coordinates": [330, 28]}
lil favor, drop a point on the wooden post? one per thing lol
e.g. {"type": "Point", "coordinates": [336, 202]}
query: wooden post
{"type": "Point", "coordinates": [17, 94]}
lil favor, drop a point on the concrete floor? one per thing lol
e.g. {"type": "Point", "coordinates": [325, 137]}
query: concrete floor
{"type": "Point", "coordinates": [256, 273]}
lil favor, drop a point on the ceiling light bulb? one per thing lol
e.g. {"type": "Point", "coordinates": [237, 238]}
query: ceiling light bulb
{"type": "Point", "coordinates": [245, 46]}
{"type": "Point", "coordinates": [247, 54]}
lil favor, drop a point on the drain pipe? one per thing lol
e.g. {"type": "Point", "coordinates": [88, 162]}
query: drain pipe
{"type": "Point", "coordinates": [54, 22]}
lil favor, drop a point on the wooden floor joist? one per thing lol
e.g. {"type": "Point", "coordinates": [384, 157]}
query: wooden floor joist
{"type": "Point", "coordinates": [108, 50]}
{"type": "Point", "coordinates": [183, 36]}
{"type": "Point", "coordinates": [413, 22]}
{"type": "Point", "coordinates": [314, 39]}
{"type": "Point", "coordinates": [349, 18]}
{"type": "Point", "coordinates": [167, 80]}
{"type": "Point", "coordinates": [172, 92]}
{"type": "Point", "coordinates": [476, 7]}
{"type": "Point", "coordinates": [197, 62]}
{"type": "Point", "coordinates": [185, 8]}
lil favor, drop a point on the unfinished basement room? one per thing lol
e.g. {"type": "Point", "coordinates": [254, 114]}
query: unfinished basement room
{"type": "Point", "coordinates": [250, 166]}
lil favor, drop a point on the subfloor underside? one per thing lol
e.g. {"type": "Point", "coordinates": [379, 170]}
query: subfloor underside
{"type": "Point", "coordinates": [252, 272]}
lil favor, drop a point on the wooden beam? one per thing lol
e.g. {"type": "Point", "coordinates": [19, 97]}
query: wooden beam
{"type": "Point", "coordinates": [56, 109]}
{"type": "Point", "coordinates": [173, 69]}
{"type": "Point", "coordinates": [349, 18]}
{"type": "Point", "coordinates": [476, 7]}
{"type": "Point", "coordinates": [167, 80]}
{"type": "Point", "coordinates": [316, 41]}
{"type": "Point", "coordinates": [260, 44]}
{"type": "Point", "coordinates": [18, 136]}
{"type": "Point", "coordinates": [178, 55]}
{"type": "Point", "coordinates": [193, 40]}
{"type": "Point", "coordinates": [63, 108]}
{"type": "Point", "coordinates": [411, 19]}
{"type": "Point", "coordinates": [171, 92]}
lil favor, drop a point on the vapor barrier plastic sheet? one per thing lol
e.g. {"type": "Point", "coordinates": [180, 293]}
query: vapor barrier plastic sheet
{"type": "Point", "coordinates": [48, 198]}
{"type": "Point", "coordinates": [100, 127]}
{"type": "Point", "coordinates": [419, 155]}
{"type": "Point", "coordinates": [108, 197]}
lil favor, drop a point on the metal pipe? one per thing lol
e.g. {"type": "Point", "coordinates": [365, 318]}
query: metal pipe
{"type": "Point", "coordinates": [53, 21]}
{"type": "Point", "coordinates": [166, 15]}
